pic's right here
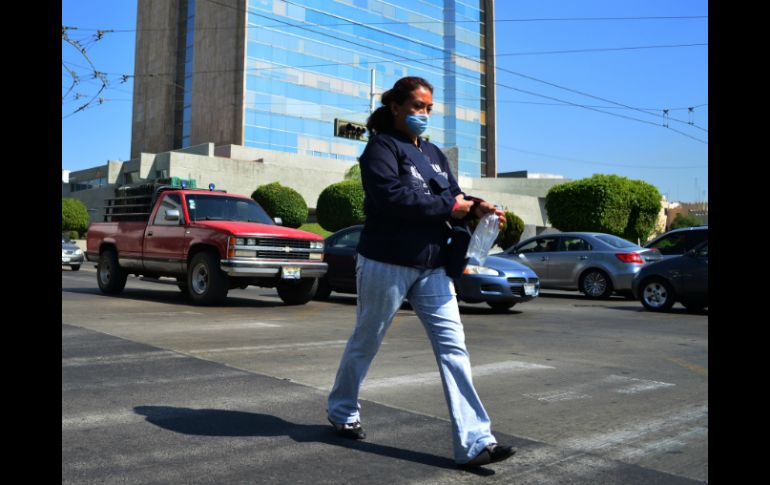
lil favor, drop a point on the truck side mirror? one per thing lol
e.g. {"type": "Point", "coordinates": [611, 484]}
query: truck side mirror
{"type": "Point", "coordinates": [172, 215]}
{"type": "Point", "coordinates": [278, 221]}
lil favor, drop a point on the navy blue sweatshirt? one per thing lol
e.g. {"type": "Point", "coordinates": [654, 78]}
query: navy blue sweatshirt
{"type": "Point", "coordinates": [406, 220]}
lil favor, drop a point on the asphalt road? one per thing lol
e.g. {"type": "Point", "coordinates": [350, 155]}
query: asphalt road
{"type": "Point", "coordinates": [155, 390]}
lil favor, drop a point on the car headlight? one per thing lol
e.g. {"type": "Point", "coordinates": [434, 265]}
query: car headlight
{"type": "Point", "coordinates": [251, 242]}
{"type": "Point", "coordinates": [475, 269]}
{"type": "Point", "coordinates": [240, 241]}
{"type": "Point", "coordinates": [316, 244]}
{"type": "Point", "coordinates": [78, 252]}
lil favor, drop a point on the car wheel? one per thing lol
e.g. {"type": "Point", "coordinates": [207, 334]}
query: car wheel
{"type": "Point", "coordinates": [207, 284]}
{"type": "Point", "coordinates": [75, 267]}
{"type": "Point", "coordinates": [501, 306]}
{"type": "Point", "coordinates": [657, 295]}
{"type": "Point", "coordinates": [596, 284]}
{"type": "Point", "coordinates": [110, 276]}
{"type": "Point", "coordinates": [323, 291]}
{"type": "Point", "coordinates": [298, 292]}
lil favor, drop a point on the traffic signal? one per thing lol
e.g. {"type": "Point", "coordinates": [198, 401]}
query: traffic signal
{"type": "Point", "coordinates": [349, 129]}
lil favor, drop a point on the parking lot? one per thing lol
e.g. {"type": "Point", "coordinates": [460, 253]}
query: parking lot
{"type": "Point", "coordinates": [155, 389]}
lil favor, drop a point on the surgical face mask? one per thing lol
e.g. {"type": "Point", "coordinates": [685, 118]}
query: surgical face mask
{"type": "Point", "coordinates": [417, 123]}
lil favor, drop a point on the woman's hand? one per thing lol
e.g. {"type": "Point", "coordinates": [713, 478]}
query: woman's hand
{"type": "Point", "coordinates": [462, 207]}
{"type": "Point", "coordinates": [485, 208]}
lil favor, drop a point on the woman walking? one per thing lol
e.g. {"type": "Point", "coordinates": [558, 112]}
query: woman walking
{"type": "Point", "coordinates": [411, 201]}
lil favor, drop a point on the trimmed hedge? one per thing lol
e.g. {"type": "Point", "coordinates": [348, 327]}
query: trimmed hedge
{"type": "Point", "coordinates": [511, 233]}
{"type": "Point", "coordinates": [283, 202]}
{"type": "Point", "coordinates": [354, 173]}
{"type": "Point", "coordinates": [605, 203]}
{"type": "Point", "coordinates": [74, 215]}
{"type": "Point", "coordinates": [341, 205]}
{"type": "Point", "coordinates": [684, 220]}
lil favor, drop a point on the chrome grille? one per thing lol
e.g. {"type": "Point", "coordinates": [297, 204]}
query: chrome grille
{"type": "Point", "coordinates": [283, 242]}
{"type": "Point", "coordinates": [283, 255]}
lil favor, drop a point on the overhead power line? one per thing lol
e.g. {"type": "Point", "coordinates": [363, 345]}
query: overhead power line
{"type": "Point", "coordinates": [418, 22]}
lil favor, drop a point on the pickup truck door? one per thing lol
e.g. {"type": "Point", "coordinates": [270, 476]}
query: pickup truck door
{"type": "Point", "coordinates": [164, 238]}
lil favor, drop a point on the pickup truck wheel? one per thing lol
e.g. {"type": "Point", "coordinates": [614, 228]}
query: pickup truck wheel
{"type": "Point", "coordinates": [110, 277]}
{"type": "Point", "coordinates": [207, 284]}
{"type": "Point", "coordinates": [299, 292]}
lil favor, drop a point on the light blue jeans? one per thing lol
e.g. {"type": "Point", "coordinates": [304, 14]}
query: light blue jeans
{"type": "Point", "coordinates": [382, 288]}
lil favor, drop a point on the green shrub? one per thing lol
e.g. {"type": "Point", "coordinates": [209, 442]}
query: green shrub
{"type": "Point", "coordinates": [341, 205]}
{"type": "Point", "coordinates": [684, 220]}
{"type": "Point", "coordinates": [283, 202]}
{"type": "Point", "coordinates": [354, 173]}
{"type": "Point", "coordinates": [605, 203]}
{"type": "Point", "coordinates": [74, 215]}
{"type": "Point", "coordinates": [73, 235]}
{"type": "Point", "coordinates": [645, 208]}
{"type": "Point", "coordinates": [511, 233]}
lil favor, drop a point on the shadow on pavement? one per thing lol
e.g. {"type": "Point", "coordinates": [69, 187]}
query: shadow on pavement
{"type": "Point", "coordinates": [214, 422]}
{"type": "Point", "coordinates": [175, 297]}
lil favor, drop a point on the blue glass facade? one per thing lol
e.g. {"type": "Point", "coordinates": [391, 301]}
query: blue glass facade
{"type": "Point", "coordinates": [309, 62]}
{"type": "Point", "coordinates": [189, 35]}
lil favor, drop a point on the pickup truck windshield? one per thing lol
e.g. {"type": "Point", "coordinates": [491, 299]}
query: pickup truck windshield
{"type": "Point", "coordinates": [219, 208]}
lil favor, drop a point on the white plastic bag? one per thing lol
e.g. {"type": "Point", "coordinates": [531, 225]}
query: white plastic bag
{"type": "Point", "coordinates": [483, 238]}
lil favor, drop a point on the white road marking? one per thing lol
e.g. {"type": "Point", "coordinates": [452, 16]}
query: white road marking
{"type": "Point", "coordinates": [612, 383]}
{"type": "Point", "coordinates": [272, 348]}
{"type": "Point", "coordinates": [424, 378]}
{"type": "Point", "coordinates": [624, 440]}
{"type": "Point", "coordinates": [140, 357]}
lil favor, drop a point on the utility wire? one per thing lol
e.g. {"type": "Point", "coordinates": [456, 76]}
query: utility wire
{"type": "Point", "coordinates": [668, 167]}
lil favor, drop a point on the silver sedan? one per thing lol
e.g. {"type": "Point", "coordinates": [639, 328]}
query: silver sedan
{"type": "Point", "coordinates": [594, 263]}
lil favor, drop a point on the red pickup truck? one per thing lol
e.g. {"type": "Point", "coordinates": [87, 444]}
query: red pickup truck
{"type": "Point", "coordinates": [209, 240]}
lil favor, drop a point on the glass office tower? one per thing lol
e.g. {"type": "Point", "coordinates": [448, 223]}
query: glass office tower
{"type": "Point", "coordinates": [276, 74]}
{"type": "Point", "coordinates": [309, 62]}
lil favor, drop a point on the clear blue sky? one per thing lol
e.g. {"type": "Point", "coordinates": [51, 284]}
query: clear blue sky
{"type": "Point", "coordinates": [535, 133]}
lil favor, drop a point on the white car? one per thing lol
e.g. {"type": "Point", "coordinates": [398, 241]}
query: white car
{"type": "Point", "coordinates": [71, 255]}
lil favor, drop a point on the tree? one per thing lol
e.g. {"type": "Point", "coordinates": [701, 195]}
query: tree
{"type": "Point", "coordinates": [684, 220]}
{"type": "Point", "coordinates": [283, 202]}
{"type": "Point", "coordinates": [74, 215]}
{"type": "Point", "coordinates": [604, 203]}
{"type": "Point", "coordinates": [341, 205]}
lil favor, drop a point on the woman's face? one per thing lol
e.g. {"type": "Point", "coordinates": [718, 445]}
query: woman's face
{"type": "Point", "coordinates": [419, 103]}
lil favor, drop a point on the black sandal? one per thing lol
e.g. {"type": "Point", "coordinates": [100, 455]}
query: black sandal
{"type": "Point", "coordinates": [349, 430]}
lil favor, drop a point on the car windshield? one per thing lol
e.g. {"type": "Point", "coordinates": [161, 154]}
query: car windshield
{"type": "Point", "coordinates": [615, 241]}
{"type": "Point", "coordinates": [218, 208]}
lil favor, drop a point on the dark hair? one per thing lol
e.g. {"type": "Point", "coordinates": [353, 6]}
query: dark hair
{"type": "Point", "coordinates": [382, 119]}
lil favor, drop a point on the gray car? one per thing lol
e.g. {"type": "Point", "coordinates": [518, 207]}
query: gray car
{"type": "Point", "coordinates": [71, 255]}
{"type": "Point", "coordinates": [594, 263]}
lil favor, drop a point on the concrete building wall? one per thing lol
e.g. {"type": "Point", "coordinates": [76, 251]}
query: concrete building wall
{"type": "Point", "coordinates": [219, 58]}
{"type": "Point", "coordinates": [155, 76]}
{"type": "Point", "coordinates": [240, 170]}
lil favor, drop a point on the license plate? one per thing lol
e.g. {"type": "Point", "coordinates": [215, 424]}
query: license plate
{"type": "Point", "coordinates": [290, 273]}
{"type": "Point", "coordinates": [529, 290]}
{"type": "Point", "coordinates": [65, 260]}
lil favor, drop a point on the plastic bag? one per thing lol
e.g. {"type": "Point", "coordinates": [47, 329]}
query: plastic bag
{"type": "Point", "coordinates": [483, 238]}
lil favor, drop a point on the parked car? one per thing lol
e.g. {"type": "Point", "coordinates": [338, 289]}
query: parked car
{"type": "Point", "coordinates": [678, 241]}
{"type": "Point", "coordinates": [683, 278]}
{"type": "Point", "coordinates": [500, 282]}
{"type": "Point", "coordinates": [594, 263]}
{"type": "Point", "coordinates": [71, 255]}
